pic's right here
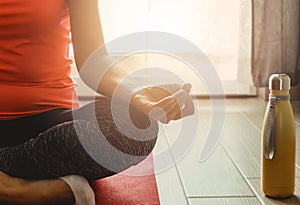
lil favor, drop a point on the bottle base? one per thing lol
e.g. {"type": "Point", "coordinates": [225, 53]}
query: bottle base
{"type": "Point", "coordinates": [280, 193]}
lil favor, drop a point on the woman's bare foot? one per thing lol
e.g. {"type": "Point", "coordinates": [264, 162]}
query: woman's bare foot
{"type": "Point", "coordinates": [40, 192]}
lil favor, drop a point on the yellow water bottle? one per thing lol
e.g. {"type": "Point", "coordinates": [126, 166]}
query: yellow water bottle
{"type": "Point", "coordinates": [278, 141]}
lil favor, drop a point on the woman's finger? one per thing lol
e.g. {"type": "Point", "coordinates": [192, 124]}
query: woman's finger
{"type": "Point", "coordinates": [173, 106]}
{"type": "Point", "coordinates": [187, 110]}
{"type": "Point", "coordinates": [182, 100]}
{"type": "Point", "coordinates": [181, 96]}
{"type": "Point", "coordinates": [171, 111]}
{"type": "Point", "coordinates": [162, 109]}
{"type": "Point", "coordinates": [187, 87]}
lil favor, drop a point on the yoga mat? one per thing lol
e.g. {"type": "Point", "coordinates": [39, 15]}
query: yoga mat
{"type": "Point", "coordinates": [124, 188]}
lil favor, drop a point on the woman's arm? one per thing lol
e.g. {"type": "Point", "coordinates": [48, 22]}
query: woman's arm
{"type": "Point", "coordinates": [87, 36]}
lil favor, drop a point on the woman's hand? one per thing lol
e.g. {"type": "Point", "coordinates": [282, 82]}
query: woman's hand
{"type": "Point", "coordinates": [164, 102]}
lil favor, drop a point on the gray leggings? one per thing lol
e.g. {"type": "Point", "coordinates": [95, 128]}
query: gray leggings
{"type": "Point", "coordinates": [56, 150]}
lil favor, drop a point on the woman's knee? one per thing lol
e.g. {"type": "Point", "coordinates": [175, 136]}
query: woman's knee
{"type": "Point", "coordinates": [127, 129]}
{"type": "Point", "coordinates": [125, 136]}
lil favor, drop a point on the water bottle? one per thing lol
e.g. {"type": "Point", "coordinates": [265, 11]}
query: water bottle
{"type": "Point", "coordinates": [278, 141]}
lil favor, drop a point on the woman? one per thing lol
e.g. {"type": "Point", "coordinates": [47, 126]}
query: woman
{"type": "Point", "coordinates": [41, 157]}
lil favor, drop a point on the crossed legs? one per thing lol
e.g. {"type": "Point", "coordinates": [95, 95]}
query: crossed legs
{"type": "Point", "coordinates": [36, 164]}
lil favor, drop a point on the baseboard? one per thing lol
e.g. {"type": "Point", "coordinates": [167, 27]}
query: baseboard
{"type": "Point", "coordinates": [295, 92]}
{"type": "Point", "coordinates": [263, 93]}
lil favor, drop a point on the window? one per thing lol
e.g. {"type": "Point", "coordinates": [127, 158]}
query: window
{"type": "Point", "coordinates": [221, 29]}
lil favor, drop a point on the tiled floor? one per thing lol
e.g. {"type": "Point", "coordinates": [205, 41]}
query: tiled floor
{"type": "Point", "coordinates": [232, 173]}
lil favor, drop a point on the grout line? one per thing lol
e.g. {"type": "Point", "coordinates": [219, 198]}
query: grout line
{"type": "Point", "coordinates": [253, 124]}
{"type": "Point", "coordinates": [250, 121]}
{"type": "Point", "coordinates": [178, 173]}
{"type": "Point", "coordinates": [255, 192]}
{"type": "Point", "coordinates": [252, 177]}
{"type": "Point", "coordinates": [245, 117]}
{"type": "Point", "coordinates": [239, 170]}
{"type": "Point", "coordinates": [297, 177]}
{"type": "Point", "coordinates": [218, 197]}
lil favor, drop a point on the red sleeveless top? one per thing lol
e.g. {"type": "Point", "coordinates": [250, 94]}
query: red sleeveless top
{"type": "Point", "coordinates": [34, 62]}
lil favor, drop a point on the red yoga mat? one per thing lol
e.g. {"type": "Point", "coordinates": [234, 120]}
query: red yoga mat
{"type": "Point", "coordinates": [127, 187]}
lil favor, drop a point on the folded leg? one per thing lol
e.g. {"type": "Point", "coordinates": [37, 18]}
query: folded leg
{"type": "Point", "coordinates": [90, 145]}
